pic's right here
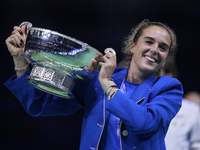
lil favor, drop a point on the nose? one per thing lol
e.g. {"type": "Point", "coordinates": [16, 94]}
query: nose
{"type": "Point", "coordinates": [154, 49]}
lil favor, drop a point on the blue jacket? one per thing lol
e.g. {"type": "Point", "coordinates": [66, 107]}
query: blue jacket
{"type": "Point", "coordinates": [145, 123]}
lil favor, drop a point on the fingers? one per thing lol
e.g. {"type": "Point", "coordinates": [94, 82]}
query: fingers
{"type": "Point", "coordinates": [15, 42]}
{"type": "Point", "coordinates": [16, 28]}
{"type": "Point", "coordinates": [22, 31]}
{"type": "Point", "coordinates": [94, 62]}
{"type": "Point", "coordinates": [108, 60]}
{"type": "Point", "coordinates": [108, 57]}
{"type": "Point", "coordinates": [97, 57]}
{"type": "Point", "coordinates": [15, 39]}
{"type": "Point", "coordinates": [110, 53]}
{"type": "Point", "coordinates": [106, 67]}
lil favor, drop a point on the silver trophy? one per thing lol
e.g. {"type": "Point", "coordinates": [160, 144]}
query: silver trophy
{"type": "Point", "coordinates": [58, 60]}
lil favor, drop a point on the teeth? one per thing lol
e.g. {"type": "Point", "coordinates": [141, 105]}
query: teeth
{"type": "Point", "coordinates": [151, 59]}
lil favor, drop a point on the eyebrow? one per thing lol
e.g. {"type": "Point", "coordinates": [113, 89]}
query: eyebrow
{"type": "Point", "coordinates": [150, 38]}
{"type": "Point", "coordinates": [147, 37]}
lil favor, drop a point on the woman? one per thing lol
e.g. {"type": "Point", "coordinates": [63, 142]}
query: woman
{"type": "Point", "coordinates": [123, 108]}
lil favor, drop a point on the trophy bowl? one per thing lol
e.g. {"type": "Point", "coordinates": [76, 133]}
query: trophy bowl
{"type": "Point", "coordinates": [58, 61]}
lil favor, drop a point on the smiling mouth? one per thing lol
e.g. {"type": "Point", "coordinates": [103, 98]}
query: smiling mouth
{"type": "Point", "coordinates": [150, 59]}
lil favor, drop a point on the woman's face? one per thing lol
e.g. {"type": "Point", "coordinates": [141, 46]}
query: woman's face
{"type": "Point", "coordinates": [151, 50]}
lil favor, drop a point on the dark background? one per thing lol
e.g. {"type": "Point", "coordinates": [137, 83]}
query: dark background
{"type": "Point", "coordinates": [101, 24]}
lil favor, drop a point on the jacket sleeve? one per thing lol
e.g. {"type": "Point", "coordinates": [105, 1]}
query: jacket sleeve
{"type": "Point", "coordinates": [38, 103]}
{"type": "Point", "coordinates": [161, 105]}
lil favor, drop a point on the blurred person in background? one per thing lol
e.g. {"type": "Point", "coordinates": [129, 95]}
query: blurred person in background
{"type": "Point", "coordinates": [193, 96]}
{"type": "Point", "coordinates": [184, 129]}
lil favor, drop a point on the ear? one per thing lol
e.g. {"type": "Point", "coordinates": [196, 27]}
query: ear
{"type": "Point", "coordinates": [164, 64]}
{"type": "Point", "coordinates": [132, 47]}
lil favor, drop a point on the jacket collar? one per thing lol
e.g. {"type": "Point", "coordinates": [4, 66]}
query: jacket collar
{"type": "Point", "coordinates": [119, 76]}
{"type": "Point", "coordinates": [141, 91]}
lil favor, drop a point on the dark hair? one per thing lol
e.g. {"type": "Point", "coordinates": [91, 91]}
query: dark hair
{"type": "Point", "coordinates": [170, 67]}
{"type": "Point", "coordinates": [137, 31]}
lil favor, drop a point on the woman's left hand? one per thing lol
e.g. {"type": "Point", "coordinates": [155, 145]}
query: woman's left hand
{"type": "Point", "coordinates": [106, 67]}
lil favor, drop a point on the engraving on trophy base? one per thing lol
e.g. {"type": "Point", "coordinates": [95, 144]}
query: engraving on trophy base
{"type": "Point", "coordinates": [52, 79]}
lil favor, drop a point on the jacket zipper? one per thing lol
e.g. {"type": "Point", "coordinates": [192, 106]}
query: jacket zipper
{"type": "Point", "coordinates": [103, 121]}
{"type": "Point", "coordinates": [120, 136]}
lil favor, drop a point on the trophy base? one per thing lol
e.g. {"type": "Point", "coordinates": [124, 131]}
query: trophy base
{"type": "Point", "coordinates": [52, 78]}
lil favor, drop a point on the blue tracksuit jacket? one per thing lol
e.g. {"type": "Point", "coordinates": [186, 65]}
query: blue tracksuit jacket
{"type": "Point", "coordinates": [145, 123]}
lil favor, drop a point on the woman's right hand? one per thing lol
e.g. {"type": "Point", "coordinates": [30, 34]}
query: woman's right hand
{"type": "Point", "coordinates": [16, 41]}
{"type": "Point", "coordinates": [15, 44]}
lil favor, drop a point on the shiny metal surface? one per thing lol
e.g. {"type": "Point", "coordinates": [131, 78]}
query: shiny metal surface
{"type": "Point", "coordinates": [58, 61]}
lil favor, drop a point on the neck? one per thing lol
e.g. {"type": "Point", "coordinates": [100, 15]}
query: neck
{"type": "Point", "coordinates": [136, 76]}
{"type": "Point", "coordinates": [133, 77]}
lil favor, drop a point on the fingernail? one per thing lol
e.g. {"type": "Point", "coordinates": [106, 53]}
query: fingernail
{"type": "Point", "coordinates": [22, 41]}
{"type": "Point", "coordinates": [20, 33]}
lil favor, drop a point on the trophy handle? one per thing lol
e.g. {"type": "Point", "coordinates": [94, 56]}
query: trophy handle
{"type": "Point", "coordinates": [27, 24]}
